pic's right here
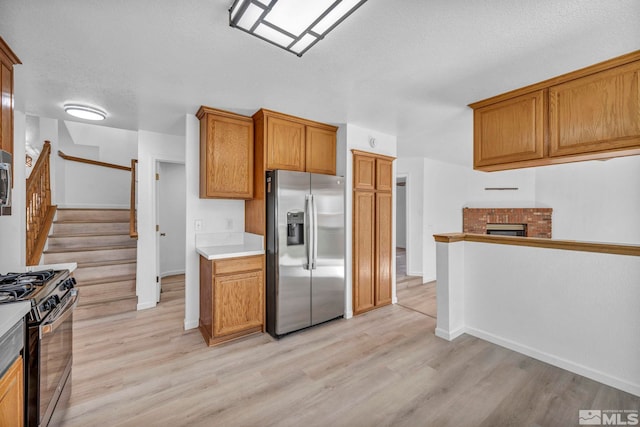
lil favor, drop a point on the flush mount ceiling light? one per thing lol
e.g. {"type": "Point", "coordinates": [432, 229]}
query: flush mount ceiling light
{"type": "Point", "coordinates": [84, 112]}
{"type": "Point", "coordinates": [293, 25]}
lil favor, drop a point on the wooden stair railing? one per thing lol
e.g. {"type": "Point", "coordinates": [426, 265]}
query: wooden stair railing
{"type": "Point", "coordinates": [133, 226]}
{"type": "Point", "coordinates": [133, 214]}
{"type": "Point", "coordinates": [40, 211]}
{"type": "Point", "coordinates": [92, 162]}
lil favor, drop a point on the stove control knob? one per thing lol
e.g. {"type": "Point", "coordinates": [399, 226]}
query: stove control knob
{"type": "Point", "coordinates": [67, 284]}
{"type": "Point", "coordinates": [51, 303]}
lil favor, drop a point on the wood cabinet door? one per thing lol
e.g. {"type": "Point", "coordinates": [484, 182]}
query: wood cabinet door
{"type": "Point", "coordinates": [238, 302]}
{"type": "Point", "coordinates": [364, 172]}
{"type": "Point", "coordinates": [321, 151]}
{"type": "Point", "coordinates": [510, 131]}
{"type": "Point", "coordinates": [6, 114]}
{"type": "Point", "coordinates": [285, 145]}
{"type": "Point", "coordinates": [384, 175]}
{"type": "Point", "coordinates": [595, 113]}
{"type": "Point", "coordinates": [12, 396]}
{"type": "Point", "coordinates": [226, 162]}
{"type": "Point", "coordinates": [383, 246]}
{"type": "Point", "coordinates": [363, 251]}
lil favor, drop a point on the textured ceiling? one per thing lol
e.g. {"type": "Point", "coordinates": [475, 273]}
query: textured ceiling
{"type": "Point", "coordinates": [407, 68]}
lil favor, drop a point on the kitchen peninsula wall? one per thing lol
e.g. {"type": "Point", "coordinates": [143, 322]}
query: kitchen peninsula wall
{"type": "Point", "coordinates": [592, 201]}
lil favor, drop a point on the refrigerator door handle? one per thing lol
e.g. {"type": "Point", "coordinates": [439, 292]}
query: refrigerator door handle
{"type": "Point", "coordinates": [314, 230]}
{"type": "Point", "coordinates": [307, 230]}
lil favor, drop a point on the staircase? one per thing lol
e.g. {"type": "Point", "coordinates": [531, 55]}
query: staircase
{"type": "Point", "coordinates": [98, 241]}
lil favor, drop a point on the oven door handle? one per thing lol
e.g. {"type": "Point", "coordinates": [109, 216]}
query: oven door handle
{"type": "Point", "coordinates": [49, 327]}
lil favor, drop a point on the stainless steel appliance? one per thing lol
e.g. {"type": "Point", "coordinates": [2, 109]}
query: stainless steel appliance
{"type": "Point", "coordinates": [49, 338]}
{"type": "Point", "coordinates": [305, 250]}
{"type": "Point", "coordinates": [5, 183]}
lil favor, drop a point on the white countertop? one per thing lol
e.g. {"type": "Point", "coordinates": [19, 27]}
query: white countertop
{"type": "Point", "coordinates": [11, 313]}
{"type": "Point", "coordinates": [229, 245]}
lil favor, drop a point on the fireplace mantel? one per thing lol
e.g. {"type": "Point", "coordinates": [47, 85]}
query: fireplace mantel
{"type": "Point", "coordinates": [537, 220]}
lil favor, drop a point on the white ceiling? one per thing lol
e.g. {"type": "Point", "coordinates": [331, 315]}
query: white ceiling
{"type": "Point", "coordinates": [406, 68]}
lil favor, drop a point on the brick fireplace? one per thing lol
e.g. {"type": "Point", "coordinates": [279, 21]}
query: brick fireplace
{"type": "Point", "coordinates": [537, 221]}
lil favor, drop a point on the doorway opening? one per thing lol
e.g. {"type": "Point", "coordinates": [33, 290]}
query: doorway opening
{"type": "Point", "coordinates": [410, 290]}
{"type": "Point", "coordinates": [403, 248]}
{"type": "Point", "coordinates": [170, 231]}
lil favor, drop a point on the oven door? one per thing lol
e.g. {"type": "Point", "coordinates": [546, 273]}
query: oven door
{"type": "Point", "coordinates": [54, 360]}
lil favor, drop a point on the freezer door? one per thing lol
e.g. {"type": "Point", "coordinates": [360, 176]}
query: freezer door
{"type": "Point", "coordinates": [327, 276]}
{"type": "Point", "coordinates": [293, 282]}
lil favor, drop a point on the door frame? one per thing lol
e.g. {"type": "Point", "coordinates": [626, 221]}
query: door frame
{"type": "Point", "coordinates": [407, 223]}
{"type": "Point", "coordinates": [156, 218]}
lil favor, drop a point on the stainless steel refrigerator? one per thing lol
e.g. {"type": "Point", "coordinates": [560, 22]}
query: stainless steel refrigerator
{"type": "Point", "coordinates": [305, 250]}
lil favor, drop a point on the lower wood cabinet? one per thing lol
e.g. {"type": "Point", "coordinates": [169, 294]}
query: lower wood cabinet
{"type": "Point", "coordinates": [12, 396]}
{"type": "Point", "coordinates": [364, 265]}
{"type": "Point", "coordinates": [383, 255]}
{"type": "Point", "coordinates": [231, 298]}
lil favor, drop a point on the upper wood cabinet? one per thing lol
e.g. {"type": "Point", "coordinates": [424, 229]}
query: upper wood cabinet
{"type": "Point", "coordinates": [321, 150]}
{"type": "Point", "coordinates": [384, 174]}
{"type": "Point", "coordinates": [285, 144]}
{"type": "Point", "coordinates": [364, 172]}
{"type": "Point", "coordinates": [226, 154]}
{"type": "Point", "coordinates": [596, 112]}
{"type": "Point", "coordinates": [511, 130]}
{"type": "Point", "coordinates": [293, 143]}
{"type": "Point", "coordinates": [7, 60]}
{"type": "Point", "coordinates": [592, 113]}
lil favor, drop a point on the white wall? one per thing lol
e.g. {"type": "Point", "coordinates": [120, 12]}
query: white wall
{"type": "Point", "coordinates": [576, 310]}
{"type": "Point", "coordinates": [448, 188]}
{"type": "Point", "coordinates": [401, 216]}
{"type": "Point", "coordinates": [152, 147]}
{"type": "Point", "coordinates": [171, 217]}
{"type": "Point", "coordinates": [593, 201]}
{"type": "Point", "coordinates": [413, 170]}
{"type": "Point", "coordinates": [12, 227]}
{"type": "Point", "coordinates": [357, 138]}
{"type": "Point", "coordinates": [214, 213]}
{"type": "Point", "coordinates": [99, 187]}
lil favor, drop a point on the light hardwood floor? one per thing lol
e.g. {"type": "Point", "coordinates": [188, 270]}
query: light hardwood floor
{"type": "Point", "coordinates": [383, 368]}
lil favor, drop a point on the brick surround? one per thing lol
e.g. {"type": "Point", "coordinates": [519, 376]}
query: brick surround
{"type": "Point", "coordinates": [538, 220]}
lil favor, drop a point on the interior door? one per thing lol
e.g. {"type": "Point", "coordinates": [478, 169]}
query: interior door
{"type": "Point", "coordinates": [327, 274]}
{"type": "Point", "coordinates": [293, 280]}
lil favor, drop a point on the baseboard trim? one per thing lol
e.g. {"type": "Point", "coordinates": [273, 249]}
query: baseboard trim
{"type": "Point", "coordinates": [145, 305]}
{"type": "Point", "coordinates": [171, 273]}
{"type": "Point", "coordinates": [556, 361]}
{"type": "Point", "coordinates": [450, 335]}
{"type": "Point", "coordinates": [190, 324]}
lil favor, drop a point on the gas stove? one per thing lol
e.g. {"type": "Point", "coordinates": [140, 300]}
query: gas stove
{"type": "Point", "coordinates": [44, 289]}
{"type": "Point", "coordinates": [49, 342]}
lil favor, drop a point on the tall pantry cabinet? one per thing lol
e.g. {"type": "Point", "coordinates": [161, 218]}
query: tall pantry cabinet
{"type": "Point", "coordinates": [372, 230]}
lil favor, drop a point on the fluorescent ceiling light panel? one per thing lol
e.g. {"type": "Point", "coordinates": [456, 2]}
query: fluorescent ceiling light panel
{"type": "Point", "coordinates": [273, 35]}
{"type": "Point", "coordinates": [293, 25]}
{"type": "Point", "coordinates": [84, 112]}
